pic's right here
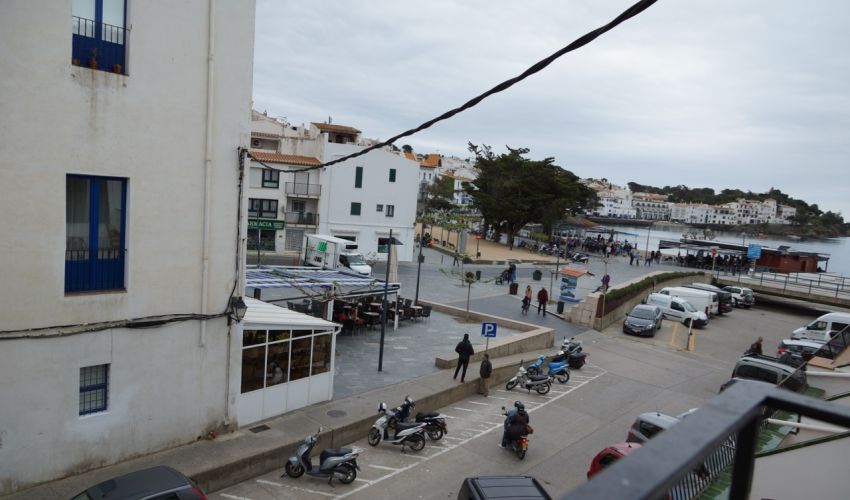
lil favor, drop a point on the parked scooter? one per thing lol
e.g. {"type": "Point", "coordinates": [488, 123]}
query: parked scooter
{"type": "Point", "coordinates": [435, 423]}
{"type": "Point", "coordinates": [338, 463]}
{"type": "Point", "coordinates": [573, 350]}
{"type": "Point", "coordinates": [557, 367]}
{"type": "Point", "coordinates": [540, 383]}
{"type": "Point", "coordinates": [405, 433]}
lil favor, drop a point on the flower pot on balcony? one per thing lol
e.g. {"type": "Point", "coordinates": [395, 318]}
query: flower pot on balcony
{"type": "Point", "coordinates": [93, 63]}
{"type": "Point", "coordinates": [117, 68]}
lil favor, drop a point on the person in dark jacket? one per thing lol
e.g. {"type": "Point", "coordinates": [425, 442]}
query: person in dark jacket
{"type": "Point", "coordinates": [484, 373]}
{"type": "Point", "coordinates": [542, 300]}
{"type": "Point", "coordinates": [464, 351]}
{"type": "Point", "coordinates": [516, 424]}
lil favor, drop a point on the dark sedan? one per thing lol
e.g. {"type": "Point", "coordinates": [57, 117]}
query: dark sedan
{"type": "Point", "coordinates": [644, 320]}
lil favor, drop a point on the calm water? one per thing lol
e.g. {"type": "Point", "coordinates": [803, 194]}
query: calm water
{"type": "Point", "coordinates": [838, 248]}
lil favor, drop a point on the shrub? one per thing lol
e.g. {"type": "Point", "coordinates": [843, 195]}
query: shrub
{"type": "Point", "coordinates": [617, 296]}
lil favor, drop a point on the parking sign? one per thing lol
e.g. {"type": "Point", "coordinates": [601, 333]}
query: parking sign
{"type": "Point", "coordinates": [488, 329]}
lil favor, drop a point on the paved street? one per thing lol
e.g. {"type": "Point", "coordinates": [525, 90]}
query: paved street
{"type": "Point", "coordinates": [627, 376]}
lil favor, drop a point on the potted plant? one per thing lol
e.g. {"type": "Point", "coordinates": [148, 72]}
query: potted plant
{"type": "Point", "coordinates": [118, 69]}
{"type": "Point", "coordinates": [93, 58]}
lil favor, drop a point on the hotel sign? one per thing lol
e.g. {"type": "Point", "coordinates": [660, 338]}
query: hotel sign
{"type": "Point", "coordinates": [265, 224]}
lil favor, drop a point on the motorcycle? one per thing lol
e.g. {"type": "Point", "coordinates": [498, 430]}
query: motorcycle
{"type": "Point", "coordinates": [574, 352]}
{"type": "Point", "coordinates": [540, 383]}
{"type": "Point", "coordinates": [557, 367]}
{"type": "Point", "coordinates": [405, 433]}
{"type": "Point", "coordinates": [518, 446]}
{"type": "Point", "coordinates": [340, 463]}
{"type": "Point", "coordinates": [435, 423]}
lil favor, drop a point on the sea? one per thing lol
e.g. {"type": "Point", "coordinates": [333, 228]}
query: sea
{"type": "Point", "coordinates": [837, 248]}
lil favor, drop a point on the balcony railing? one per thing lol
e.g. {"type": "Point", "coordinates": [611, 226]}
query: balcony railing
{"type": "Point", "coordinates": [667, 465]}
{"type": "Point", "coordinates": [98, 45]}
{"type": "Point", "coordinates": [301, 218]}
{"type": "Point", "coordinates": [303, 189]}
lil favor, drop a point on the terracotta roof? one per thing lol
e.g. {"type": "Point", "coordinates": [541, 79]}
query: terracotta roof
{"type": "Point", "coordinates": [327, 127]}
{"type": "Point", "coordinates": [409, 155]}
{"type": "Point", "coordinates": [265, 134]}
{"type": "Point", "coordinates": [288, 159]}
{"type": "Point", "coordinates": [431, 161]}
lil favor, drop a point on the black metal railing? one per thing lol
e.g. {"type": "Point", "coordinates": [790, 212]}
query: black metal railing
{"type": "Point", "coordinates": [837, 343]}
{"type": "Point", "coordinates": [700, 444]}
{"type": "Point", "coordinates": [303, 189]}
{"type": "Point", "coordinates": [301, 218]}
{"type": "Point", "coordinates": [98, 45]}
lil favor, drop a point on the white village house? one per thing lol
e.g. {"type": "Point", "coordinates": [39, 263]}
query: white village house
{"type": "Point", "coordinates": [122, 269]}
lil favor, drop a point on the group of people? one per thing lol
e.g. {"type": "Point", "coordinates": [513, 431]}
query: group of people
{"type": "Point", "coordinates": [542, 300]}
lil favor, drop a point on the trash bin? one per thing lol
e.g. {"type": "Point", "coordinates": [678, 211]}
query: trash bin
{"type": "Point", "coordinates": [478, 275]}
{"type": "Point", "coordinates": [514, 288]}
{"type": "Point", "coordinates": [560, 307]}
{"type": "Point", "coordinates": [537, 275]}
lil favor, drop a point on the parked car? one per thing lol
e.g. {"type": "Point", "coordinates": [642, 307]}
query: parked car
{"type": "Point", "coordinates": [771, 371]}
{"type": "Point", "coordinates": [644, 320]}
{"type": "Point", "coordinates": [724, 297]}
{"type": "Point", "coordinates": [703, 300]}
{"type": "Point", "coordinates": [741, 297]}
{"type": "Point", "coordinates": [823, 328]}
{"type": "Point", "coordinates": [610, 455]}
{"type": "Point", "coordinates": [648, 425]}
{"type": "Point", "coordinates": [159, 482]}
{"type": "Point", "coordinates": [678, 309]}
{"type": "Point", "coordinates": [798, 347]}
{"type": "Point", "coordinates": [492, 487]}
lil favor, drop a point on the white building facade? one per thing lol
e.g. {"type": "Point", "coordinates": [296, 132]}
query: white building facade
{"type": "Point", "coordinates": [364, 197]}
{"type": "Point", "coordinates": [123, 231]}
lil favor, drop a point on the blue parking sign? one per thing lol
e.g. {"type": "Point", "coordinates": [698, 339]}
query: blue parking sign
{"type": "Point", "coordinates": [754, 251]}
{"type": "Point", "coordinates": [488, 329]}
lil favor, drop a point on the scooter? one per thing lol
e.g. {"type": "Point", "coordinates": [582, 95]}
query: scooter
{"type": "Point", "coordinates": [518, 446]}
{"type": "Point", "coordinates": [573, 350]}
{"type": "Point", "coordinates": [340, 463]}
{"type": "Point", "coordinates": [540, 383]}
{"type": "Point", "coordinates": [435, 423]}
{"type": "Point", "coordinates": [557, 367]}
{"type": "Point", "coordinates": [406, 433]}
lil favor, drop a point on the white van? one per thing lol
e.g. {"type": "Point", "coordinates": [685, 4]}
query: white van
{"type": "Point", "coordinates": [823, 328]}
{"type": "Point", "coordinates": [678, 309]}
{"type": "Point", "coordinates": [701, 299]}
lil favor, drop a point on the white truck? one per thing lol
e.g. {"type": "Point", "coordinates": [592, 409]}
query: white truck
{"type": "Point", "coordinates": [329, 252]}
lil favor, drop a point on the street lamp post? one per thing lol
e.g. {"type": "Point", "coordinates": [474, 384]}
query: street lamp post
{"type": "Point", "coordinates": [419, 260]}
{"type": "Point", "coordinates": [384, 303]}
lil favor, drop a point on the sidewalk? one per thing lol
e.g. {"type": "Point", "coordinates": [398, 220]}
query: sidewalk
{"type": "Point", "coordinates": [250, 452]}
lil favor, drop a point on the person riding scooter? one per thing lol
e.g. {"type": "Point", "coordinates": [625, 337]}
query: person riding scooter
{"type": "Point", "coordinates": [516, 424]}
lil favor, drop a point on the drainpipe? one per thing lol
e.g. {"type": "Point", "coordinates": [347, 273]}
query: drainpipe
{"type": "Point", "coordinates": [205, 258]}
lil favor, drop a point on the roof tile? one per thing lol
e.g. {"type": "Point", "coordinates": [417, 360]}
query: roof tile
{"type": "Point", "coordinates": [288, 159]}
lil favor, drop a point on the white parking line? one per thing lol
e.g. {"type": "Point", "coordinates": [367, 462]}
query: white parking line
{"type": "Point", "coordinates": [477, 403]}
{"type": "Point", "coordinates": [463, 441]}
{"type": "Point", "coordinates": [234, 497]}
{"type": "Point", "coordinates": [384, 467]}
{"type": "Point", "coordinates": [463, 409]}
{"type": "Point", "coordinates": [264, 481]}
{"type": "Point", "coordinates": [272, 483]}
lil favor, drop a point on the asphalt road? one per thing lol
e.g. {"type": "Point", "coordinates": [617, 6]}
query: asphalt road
{"type": "Point", "coordinates": [626, 376]}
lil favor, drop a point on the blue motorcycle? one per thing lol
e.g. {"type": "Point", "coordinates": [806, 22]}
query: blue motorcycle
{"type": "Point", "coordinates": [558, 367]}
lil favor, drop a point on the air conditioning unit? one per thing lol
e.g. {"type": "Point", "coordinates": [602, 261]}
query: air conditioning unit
{"type": "Point", "coordinates": [255, 143]}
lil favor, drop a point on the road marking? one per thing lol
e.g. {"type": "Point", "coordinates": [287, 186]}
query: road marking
{"type": "Point", "coordinates": [477, 403]}
{"type": "Point", "coordinates": [464, 409]}
{"type": "Point", "coordinates": [234, 497]}
{"type": "Point", "coordinates": [363, 480]}
{"type": "Point", "coordinates": [497, 397]}
{"type": "Point", "coordinates": [383, 467]}
{"type": "Point", "coordinates": [463, 441]}
{"type": "Point", "coordinates": [272, 483]}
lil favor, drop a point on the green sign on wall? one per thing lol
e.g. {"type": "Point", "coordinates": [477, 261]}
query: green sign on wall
{"type": "Point", "coordinates": [265, 224]}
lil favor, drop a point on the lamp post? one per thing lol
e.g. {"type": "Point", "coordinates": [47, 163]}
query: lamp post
{"type": "Point", "coordinates": [419, 260]}
{"type": "Point", "coordinates": [384, 303]}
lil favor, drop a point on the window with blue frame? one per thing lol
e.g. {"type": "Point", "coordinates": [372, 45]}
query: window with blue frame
{"type": "Point", "coordinates": [95, 224]}
{"type": "Point", "coordinates": [94, 388]}
{"type": "Point", "coordinates": [99, 34]}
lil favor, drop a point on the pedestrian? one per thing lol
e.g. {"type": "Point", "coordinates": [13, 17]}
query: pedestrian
{"type": "Point", "coordinates": [631, 257]}
{"type": "Point", "coordinates": [464, 351]}
{"type": "Point", "coordinates": [755, 348]}
{"type": "Point", "coordinates": [484, 373]}
{"type": "Point", "coordinates": [542, 300]}
{"type": "Point", "coordinates": [454, 262]}
{"type": "Point", "coordinates": [512, 268]}
{"type": "Point", "coordinates": [605, 281]}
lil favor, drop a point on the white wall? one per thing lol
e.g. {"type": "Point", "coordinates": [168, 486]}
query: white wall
{"type": "Point", "coordinates": [338, 192]}
{"type": "Point", "coordinates": [148, 127]}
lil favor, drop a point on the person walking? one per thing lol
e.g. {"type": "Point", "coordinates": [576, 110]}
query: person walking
{"type": "Point", "coordinates": [464, 351]}
{"type": "Point", "coordinates": [454, 262]}
{"type": "Point", "coordinates": [755, 348]}
{"type": "Point", "coordinates": [512, 268]}
{"type": "Point", "coordinates": [484, 372]}
{"type": "Point", "coordinates": [526, 300]}
{"type": "Point", "coordinates": [542, 300]}
{"type": "Point", "coordinates": [605, 281]}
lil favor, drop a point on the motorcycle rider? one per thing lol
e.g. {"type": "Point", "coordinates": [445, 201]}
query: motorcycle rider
{"type": "Point", "coordinates": [516, 424]}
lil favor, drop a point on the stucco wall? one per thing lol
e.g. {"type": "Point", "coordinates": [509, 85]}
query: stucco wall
{"type": "Point", "coordinates": [166, 385]}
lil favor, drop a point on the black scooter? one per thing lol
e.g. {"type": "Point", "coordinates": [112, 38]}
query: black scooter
{"type": "Point", "coordinates": [435, 423]}
{"type": "Point", "coordinates": [333, 462]}
{"type": "Point", "coordinates": [573, 350]}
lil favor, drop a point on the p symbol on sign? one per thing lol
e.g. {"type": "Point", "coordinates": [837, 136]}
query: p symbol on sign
{"type": "Point", "coordinates": [488, 329]}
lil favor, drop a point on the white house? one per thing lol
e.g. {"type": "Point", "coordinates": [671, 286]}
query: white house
{"type": "Point", "coordinates": [364, 197]}
{"type": "Point", "coordinates": [120, 235]}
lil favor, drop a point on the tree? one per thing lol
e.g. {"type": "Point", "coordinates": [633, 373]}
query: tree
{"type": "Point", "coordinates": [440, 195]}
{"type": "Point", "coordinates": [407, 148]}
{"type": "Point", "coordinates": [512, 190]}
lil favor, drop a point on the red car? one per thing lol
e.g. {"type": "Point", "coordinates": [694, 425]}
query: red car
{"type": "Point", "coordinates": [610, 455]}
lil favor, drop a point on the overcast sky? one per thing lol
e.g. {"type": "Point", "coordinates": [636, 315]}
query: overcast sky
{"type": "Point", "coordinates": [708, 93]}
